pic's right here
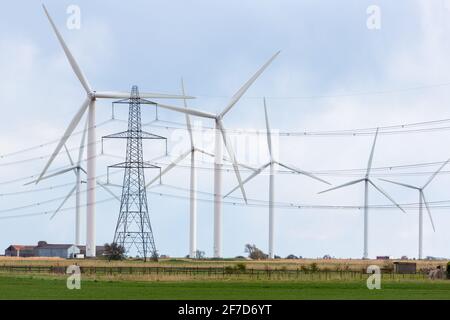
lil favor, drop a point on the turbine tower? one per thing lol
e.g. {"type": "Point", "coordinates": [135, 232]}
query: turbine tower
{"type": "Point", "coordinates": [133, 226]}
{"type": "Point", "coordinates": [422, 201]}
{"type": "Point", "coordinates": [89, 104]}
{"type": "Point", "coordinates": [367, 180]}
{"type": "Point", "coordinates": [271, 164]}
{"type": "Point", "coordinates": [221, 135]}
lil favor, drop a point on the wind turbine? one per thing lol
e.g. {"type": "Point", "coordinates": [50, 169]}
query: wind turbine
{"type": "Point", "coordinates": [89, 104]}
{"type": "Point", "coordinates": [367, 181]}
{"type": "Point", "coordinates": [422, 201]}
{"type": "Point", "coordinates": [77, 169]}
{"type": "Point", "coordinates": [221, 135]}
{"type": "Point", "coordinates": [193, 180]}
{"type": "Point", "coordinates": [271, 164]}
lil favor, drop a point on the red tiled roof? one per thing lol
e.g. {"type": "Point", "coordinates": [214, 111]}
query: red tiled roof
{"type": "Point", "coordinates": [21, 247]}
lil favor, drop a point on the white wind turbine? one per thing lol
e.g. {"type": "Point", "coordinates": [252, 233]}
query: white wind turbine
{"type": "Point", "coordinates": [221, 135]}
{"type": "Point", "coordinates": [422, 201]}
{"type": "Point", "coordinates": [77, 169]}
{"type": "Point", "coordinates": [367, 181]}
{"type": "Point", "coordinates": [271, 164]}
{"type": "Point", "coordinates": [193, 180]}
{"type": "Point", "coordinates": [89, 104]}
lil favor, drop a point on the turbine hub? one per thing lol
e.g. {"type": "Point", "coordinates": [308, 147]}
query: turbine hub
{"type": "Point", "coordinates": [91, 95]}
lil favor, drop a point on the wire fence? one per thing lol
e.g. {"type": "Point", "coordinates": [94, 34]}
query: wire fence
{"type": "Point", "coordinates": [226, 272]}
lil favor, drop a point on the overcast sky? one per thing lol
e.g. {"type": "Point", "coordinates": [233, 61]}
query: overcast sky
{"type": "Point", "coordinates": [333, 73]}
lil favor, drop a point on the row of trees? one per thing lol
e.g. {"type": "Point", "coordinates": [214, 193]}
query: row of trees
{"type": "Point", "coordinates": [113, 251]}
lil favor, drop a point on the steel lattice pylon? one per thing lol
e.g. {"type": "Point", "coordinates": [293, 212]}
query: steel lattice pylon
{"type": "Point", "coordinates": [133, 230]}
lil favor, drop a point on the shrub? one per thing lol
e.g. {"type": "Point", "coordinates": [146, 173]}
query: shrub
{"type": "Point", "coordinates": [229, 270]}
{"type": "Point", "coordinates": [241, 267]}
{"type": "Point", "coordinates": [313, 267]}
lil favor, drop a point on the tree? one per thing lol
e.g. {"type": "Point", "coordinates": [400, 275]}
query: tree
{"type": "Point", "coordinates": [255, 253]}
{"type": "Point", "coordinates": [291, 256]}
{"type": "Point", "coordinates": [199, 254]}
{"type": "Point", "coordinates": [114, 251]}
{"type": "Point", "coordinates": [154, 256]}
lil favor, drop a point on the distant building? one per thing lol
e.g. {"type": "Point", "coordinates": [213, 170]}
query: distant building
{"type": "Point", "coordinates": [405, 267]}
{"type": "Point", "coordinates": [19, 251]}
{"type": "Point", "coordinates": [66, 251]}
{"type": "Point", "coordinates": [44, 249]}
{"type": "Point", "coordinates": [383, 257]}
{"type": "Point", "coordinates": [99, 250]}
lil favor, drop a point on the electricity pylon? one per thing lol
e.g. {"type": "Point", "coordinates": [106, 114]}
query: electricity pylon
{"type": "Point", "coordinates": [133, 228]}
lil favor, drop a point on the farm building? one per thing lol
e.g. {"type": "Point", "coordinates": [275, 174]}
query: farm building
{"type": "Point", "coordinates": [45, 249]}
{"type": "Point", "coordinates": [19, 251]}
{"type": "Point", "coordinates": [98, 249]}
{"type": "Point", "coordinates": [404, 267]}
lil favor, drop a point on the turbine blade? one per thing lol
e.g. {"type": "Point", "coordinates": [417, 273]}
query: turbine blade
{"type": "Point", "coordinates": [192, 112]}
{"type": "Point", "coordinates": [169, 167]}
{"type": "Point", "coordinates": [63, 202]}
{"type": "Point", "coordinates": [435, 174]}
{"type": "Point", "coordinates": [428, 210]}
{"type": "Point", "coordinates": [66, 135]}
{"type": "Point", "coordinates": [114, 185]}
{"type": "Point", "coordinates": [250, 177]}
{"type": "Point", "coordinates": [53, 175]}
{"type": "Point", "coordinates": [205, 152]}
{"type": "Point", "coordinates": [101, 184]}
{"type": "Point", "coordinates": [269, 135]}
{"type": "Point", "coordinates": [70, 159]}
{"type": "Point", "coordinates": [68, 155]}
{"type": "Point", "coordinates": [188, 118]}
{"type": "Point", "coordinates": [308, 174]}
{"type": "Point", "coordinates": [75, 67]}
{"type": "Point", "coordinates": [386, 195]}
{"type": "Point", "coordinates": [144, 95]}
{"type": "Point", "coordinates": [369, 164]}
{"type": "Point", "coordinates": [247, 85]}
{"type": "Point", "coordinates": [399, 183]}
{"type": "Point", "coordinates": [232, 156]}
{"type": "Point", "coordinates": [342, 185]}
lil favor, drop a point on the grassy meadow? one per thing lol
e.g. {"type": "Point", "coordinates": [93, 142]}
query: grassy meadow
{"type": "Point", "coordinates": [278, 279]}
{"type": "Point", "coordinates": [41, 287]}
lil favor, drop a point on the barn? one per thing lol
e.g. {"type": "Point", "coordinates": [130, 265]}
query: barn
{"type": "Point", "coordinates": [16, 250]}
{"type": "Point", "coordinates": [66, 251]}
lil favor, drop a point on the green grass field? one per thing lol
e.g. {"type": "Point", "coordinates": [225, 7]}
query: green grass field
{"type": "Point", "coordinates": [38, 287]}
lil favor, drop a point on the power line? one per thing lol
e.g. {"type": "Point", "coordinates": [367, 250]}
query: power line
{"type": "Point", "coordinates": [342, 95]}
{"type": "Point", "coordinates": [257, 204]}
{"type": "Point", "coordinates": [384, 130]}
{"type": "Point", "coordinates": [14, 153]}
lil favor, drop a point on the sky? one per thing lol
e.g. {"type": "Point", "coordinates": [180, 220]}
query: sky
{"type": "Point", "coordinates": [333, 73]}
